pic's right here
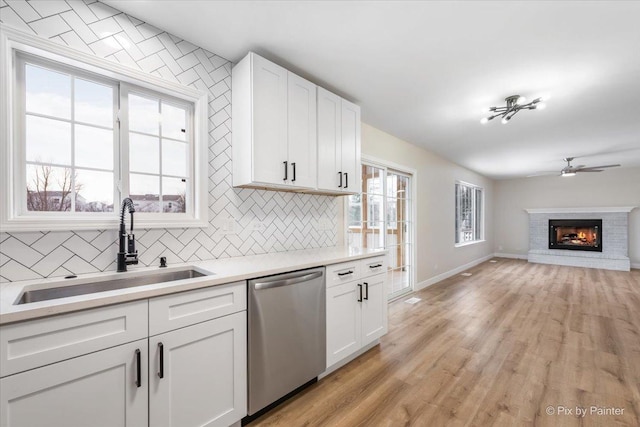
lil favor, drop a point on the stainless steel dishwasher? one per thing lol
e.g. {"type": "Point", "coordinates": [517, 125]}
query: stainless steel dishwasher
{"type": "Point", "coordinates": [287, 334]}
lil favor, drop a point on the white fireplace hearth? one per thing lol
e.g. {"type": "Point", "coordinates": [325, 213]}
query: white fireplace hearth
{"type": "Point", "coordinates": [615, 238]}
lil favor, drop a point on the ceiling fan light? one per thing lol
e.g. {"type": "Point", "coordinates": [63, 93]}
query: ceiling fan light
{"type": "Point", "coordinates": [521, 100]}
{"type": "Point", "coordinates": [505, 120]}
{"type": "Point", "coordinates": [568, 174]}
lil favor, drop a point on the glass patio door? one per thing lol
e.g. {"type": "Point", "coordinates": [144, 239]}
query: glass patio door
{"type": "Point", "coordinates": [380, 217]}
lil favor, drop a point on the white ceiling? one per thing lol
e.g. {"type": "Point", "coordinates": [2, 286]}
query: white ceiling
{"type": "Point", "coordinates": [423, 71]}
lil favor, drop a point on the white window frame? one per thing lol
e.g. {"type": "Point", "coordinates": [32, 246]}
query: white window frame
{"type": "Point", "coordinates": [480, 238]}
{"type": "Point", "coordinates": [12, 215]}
{"type": "Point", "coordinates": [413, 173]}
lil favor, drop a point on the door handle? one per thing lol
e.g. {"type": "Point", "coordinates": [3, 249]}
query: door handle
{"type": "Point", "coordinates": [360, 289]}
{"type": "Point", "coordinates": [346, 180]}
{"type": "Point", "coordinates": [375, 266]}
{"type": "Point", "coordinates": [293, 165]}
{"type": "Point", "coordinates": [340, 173]}
{"type": "Point", "coordinates": [286, 170]}
{"type": "Point", "coordinates": [287, 282]}
{"type": "Point", "coordinates": [138, 369]}
{"type": "Point", "coordinates": [366, 288]}
{"type": "Point", "coordinates": [345, 273]}
{"type": "Point", "coordinates": [161, 370]}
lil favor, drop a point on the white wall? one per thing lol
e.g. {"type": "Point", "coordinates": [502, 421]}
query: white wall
{"type": "Point", "coordinates": [613, 187]}
{"type": "Point", "coordinates": [435, 217]}
{"type": "Point", "coordinates": [291, 221]}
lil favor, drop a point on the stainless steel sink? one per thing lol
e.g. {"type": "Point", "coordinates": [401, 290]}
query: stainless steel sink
{"type": "Point", "coordinates": [104, 285]}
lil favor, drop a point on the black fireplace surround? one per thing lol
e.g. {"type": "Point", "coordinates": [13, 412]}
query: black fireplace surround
{"type": "Point", "coordinates": [575, 234]}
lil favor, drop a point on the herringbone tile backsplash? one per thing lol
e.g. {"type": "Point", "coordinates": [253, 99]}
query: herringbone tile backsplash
{"type": "Point", "coordinates": [288, 221]}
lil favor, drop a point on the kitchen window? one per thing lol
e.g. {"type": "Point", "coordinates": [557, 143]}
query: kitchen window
{"type": "Point", "coordinates": [85, 137]}
{"type": "Point", "coordinates": [469, 213]}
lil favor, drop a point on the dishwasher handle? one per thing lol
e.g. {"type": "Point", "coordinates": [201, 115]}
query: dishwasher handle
{"type": "Point", "coordinates": [286, 282]}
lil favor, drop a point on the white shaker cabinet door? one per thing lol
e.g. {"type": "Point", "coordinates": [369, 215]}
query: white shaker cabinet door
{"type": "Point", "coordinates": [329, 141]}
{"type": "Point", "coordinates": [107, 388]}
{"type": "Point", "coordinates": [302, 132]}
{"type": "Point", "coordinates": [351, 147]}
{"type": "Point", "coordinates": [198, 374]}
{"type": "Point", "coordinates": [374, 309]}
{"type": "Point", "coordinates": [269, 130]}
{"type": "Point", "coordinates": [344, 322]}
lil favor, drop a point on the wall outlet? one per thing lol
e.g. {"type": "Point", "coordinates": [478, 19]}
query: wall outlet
{"type": "Point", "coordinates": [324, 224]}
{"type": "Point", "coordinates": [256, 225]}
{"type": "Point", "coordinates": [229, 226]}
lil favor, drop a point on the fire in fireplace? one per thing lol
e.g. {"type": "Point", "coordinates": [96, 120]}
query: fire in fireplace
{"type": "Point", "coordinates": [575, 234]}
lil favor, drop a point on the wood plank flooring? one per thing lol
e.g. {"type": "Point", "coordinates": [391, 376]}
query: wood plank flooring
{"type": "Point", "coordinates": [499, 348]}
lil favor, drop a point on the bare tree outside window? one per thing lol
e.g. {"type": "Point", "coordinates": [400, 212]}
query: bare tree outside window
{"type": "Point", "coordinates": [48, 192]}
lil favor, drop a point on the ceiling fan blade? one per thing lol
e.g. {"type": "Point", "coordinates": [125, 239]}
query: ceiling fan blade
{"type": "Point", "coordinates": [602, 167]}
{"type": "Point", "coordinates": [589, 170]}
{"type": "Point", "coordinates": [579, 167]}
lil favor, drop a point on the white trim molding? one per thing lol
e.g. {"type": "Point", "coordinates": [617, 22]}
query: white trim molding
{"type": "Point", "coordinates": [11, 215]}
{"type": "Point", "coordinates": [581, 210]}
{"type": "Point", "coordinates": [440, 277]}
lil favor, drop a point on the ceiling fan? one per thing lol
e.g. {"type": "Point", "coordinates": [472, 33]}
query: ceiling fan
{"type": "Point", "coordinates": [572, 170]}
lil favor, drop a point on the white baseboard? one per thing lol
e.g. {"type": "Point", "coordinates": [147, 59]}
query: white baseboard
{"type": "Point", "coordinates": [511, 256]}
{"type": "Point", "coordinates": [635, 265]}
{"type": "Point", "coordinates": [446, 275]}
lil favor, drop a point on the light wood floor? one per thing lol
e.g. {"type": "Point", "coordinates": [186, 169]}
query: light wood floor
{"type": "Point", "coordinates": [494, 349]}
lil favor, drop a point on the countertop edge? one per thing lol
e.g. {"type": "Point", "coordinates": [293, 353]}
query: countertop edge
{"type": "Point", "coordinates": [151, 291]}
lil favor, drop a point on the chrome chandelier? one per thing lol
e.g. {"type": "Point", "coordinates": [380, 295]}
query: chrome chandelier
{"type": "Point", "coordinates": [515, 103]}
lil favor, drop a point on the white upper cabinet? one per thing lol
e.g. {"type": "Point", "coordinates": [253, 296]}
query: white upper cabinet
{"type": "Point", "coordinates": [273, 127]}
{"type": "Point", "coordinates": [289, 134]}
{"type": "Point", "coordinates": [338, 144]}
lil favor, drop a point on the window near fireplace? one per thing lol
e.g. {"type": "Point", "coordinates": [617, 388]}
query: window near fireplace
{"type": "Point", "coordinates": [575, 234]}
{"type": "Point", "coordinates": [469, 213]}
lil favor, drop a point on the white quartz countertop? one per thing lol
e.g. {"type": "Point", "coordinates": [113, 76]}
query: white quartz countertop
{"type": "Point", "coordinates": [226, 270]}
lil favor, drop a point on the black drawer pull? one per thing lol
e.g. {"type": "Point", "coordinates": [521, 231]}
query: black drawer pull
{"type": "Point", "coordinates": [293, 165]}
{"type": "Point", "coordinates": [161, 370]}
{"type": "Point", "coordinates": [366, 288]}
{"type": "Point", "coordinates": [345, 273]}
{"type": "Point", "coordinates": [286, 170]}
{"type": "Point", "coordinates": [346, 180]}
{"type": "Point", "coordinates": [138, 369]}
{"type": "Point", "coordinates": [375, 266]}
{"type": "Point", "coordinates": [360, 296]}
{"type": "Point", "coordinates": [340, 173]}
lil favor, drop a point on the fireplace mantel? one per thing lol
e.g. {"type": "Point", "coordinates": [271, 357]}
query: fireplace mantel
{"type": "Point", "coordinates": [581, 210]}
{"type": "Point", "coordinates": [614, 232]}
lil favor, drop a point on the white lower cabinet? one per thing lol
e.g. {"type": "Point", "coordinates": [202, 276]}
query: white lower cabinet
{"type": "Point", "coordinates": [356, 310]}
{"type": "Point", "coordinates": [106, 388]}
{"type": "Point", "coordinates": [344, 322]}
{"type": "Point", "coordinates": [100, 367]}
{"type": "Point", "coordinates": [198, 374]}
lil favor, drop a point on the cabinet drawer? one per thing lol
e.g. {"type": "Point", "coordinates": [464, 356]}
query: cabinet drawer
{"type": "Point", "coordinates": [35, 343]}
{"type": "Point", "coordinates": [187, 308]}
{"type": "Point", "coordinates": [342, 273]}
{"type": "Point", "coordinates": [373, 266]}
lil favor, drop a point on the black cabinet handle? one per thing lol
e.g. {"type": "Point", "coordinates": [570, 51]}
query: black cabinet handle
{"type": "Point", "coordinates": [340, 173]}
{"type": "Point", "coordinates": [366, 288]}
{"type": "Point", "coordinates": [360, 289]}
{"type": "Point", "coordinates": [161, 370]}
{"type": "Point", "coordinates": [286, 170]}
{"type": "Point", "coordinates": [346, 180]}
{"type": "Point", "coordinates": [293, 165]}
{"type": "Point", "coordinates": [375, 266]}
{"type": "Point", "coordinates": [345, 273]}
{"type": "Point", "coordinates": [138, 369]}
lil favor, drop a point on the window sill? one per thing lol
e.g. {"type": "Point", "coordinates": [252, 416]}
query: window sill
{"type": "Point", "coordinates": [73, 224]}
{"type": "Point", "coordinates": [458, 245]}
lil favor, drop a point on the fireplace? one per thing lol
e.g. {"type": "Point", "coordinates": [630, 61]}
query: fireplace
{"type": "Point", "coordinates": [575, 234]}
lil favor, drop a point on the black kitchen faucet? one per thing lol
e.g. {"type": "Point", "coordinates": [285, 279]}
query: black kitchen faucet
{"type": "Point", "coordinates": [130, 254]}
